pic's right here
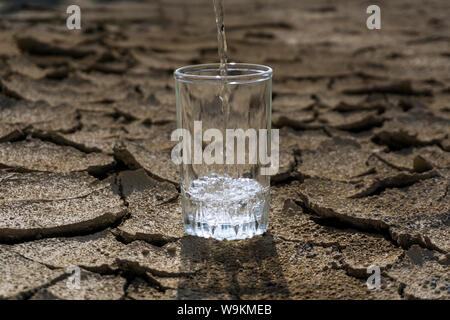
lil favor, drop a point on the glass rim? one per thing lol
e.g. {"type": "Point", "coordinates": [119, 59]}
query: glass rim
{"type": "Point", "coordinates": [254, 73]}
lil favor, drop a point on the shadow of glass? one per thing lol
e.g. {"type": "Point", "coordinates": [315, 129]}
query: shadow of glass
{"type": "Point", "coordinates": [247, 269]}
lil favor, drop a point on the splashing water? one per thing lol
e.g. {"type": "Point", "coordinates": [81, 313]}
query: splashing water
{"type": "Point", "coordinates": [223, 207]}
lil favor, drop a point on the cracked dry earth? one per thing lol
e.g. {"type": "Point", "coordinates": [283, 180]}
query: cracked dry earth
{"type": "Point", "coordinates": [86, 177]}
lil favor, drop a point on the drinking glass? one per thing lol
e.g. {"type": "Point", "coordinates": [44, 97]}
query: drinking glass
{"type": "Point", "coordinates": [225, 120]}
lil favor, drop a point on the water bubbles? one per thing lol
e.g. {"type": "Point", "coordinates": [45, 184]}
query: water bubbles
{"type": "Point", "coordinates": [226, 208]}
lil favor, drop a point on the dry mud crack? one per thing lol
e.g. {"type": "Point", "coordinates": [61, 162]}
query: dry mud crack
{"type": "Point", "coordinates": [86, 178]}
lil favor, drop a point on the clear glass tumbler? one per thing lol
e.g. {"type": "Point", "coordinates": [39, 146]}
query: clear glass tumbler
{"type": "Point", "coordinates": [225, 124]}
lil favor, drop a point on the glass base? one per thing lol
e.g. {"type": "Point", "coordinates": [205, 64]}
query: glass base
{"type": "Point", "coordinates": [225, 208]}
{"type": "Point", "coordinates": [225, 232]}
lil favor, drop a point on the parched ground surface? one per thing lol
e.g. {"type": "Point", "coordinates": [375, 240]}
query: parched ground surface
{"type": "Point", "coordinates": [86, 178]}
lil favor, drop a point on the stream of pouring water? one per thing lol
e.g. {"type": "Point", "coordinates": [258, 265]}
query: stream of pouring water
{"type": "Point", "coordinates": [223, 56]}
{"type": "Point", "coordinates": [221, 37]}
